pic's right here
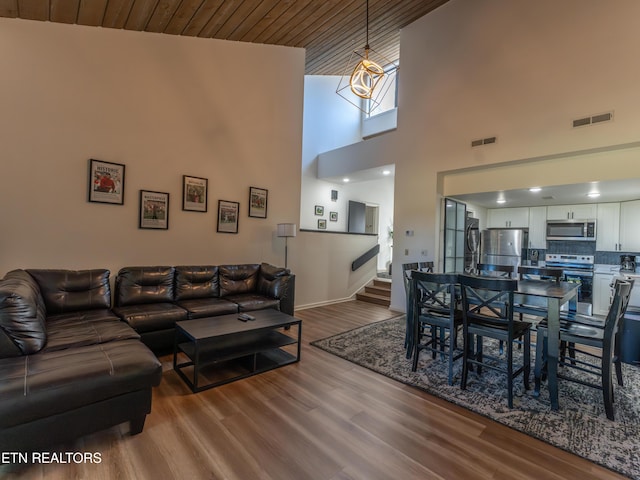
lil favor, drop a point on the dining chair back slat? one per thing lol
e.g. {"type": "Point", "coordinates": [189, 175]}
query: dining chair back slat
{"type": "Point", "coordinates": [493, 270]}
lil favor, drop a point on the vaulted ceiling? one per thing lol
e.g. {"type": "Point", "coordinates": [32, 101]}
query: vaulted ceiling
{"type": "Point", "coordinates": [328, 29]}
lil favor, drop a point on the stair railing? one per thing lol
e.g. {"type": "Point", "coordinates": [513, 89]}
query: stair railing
{"type": "Point", "coordinates": [365, 257]}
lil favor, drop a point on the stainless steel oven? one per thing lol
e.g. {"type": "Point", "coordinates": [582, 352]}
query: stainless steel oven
{"type": "Point", "coordinates": [576, 269]}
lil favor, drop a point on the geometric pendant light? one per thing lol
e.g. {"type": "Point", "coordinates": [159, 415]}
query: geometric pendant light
{"type": "Point", "coordinates": [367, 77]}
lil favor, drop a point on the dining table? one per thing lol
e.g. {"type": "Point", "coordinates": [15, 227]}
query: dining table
{"type": "Point", "coordinates": [552, 296]}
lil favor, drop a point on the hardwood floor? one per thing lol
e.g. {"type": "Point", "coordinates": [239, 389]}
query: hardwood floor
{"type": "Point", "coordinates": [322, 418]}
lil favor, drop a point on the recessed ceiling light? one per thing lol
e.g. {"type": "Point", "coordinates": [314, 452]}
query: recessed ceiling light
{"type": "Point", "coordinates": [345, 180]}
{"type": "Point", "coordinates": [535, 189]}
{"type": "Point", "coordinates": [593, 194]}
{"type": "Point", "coordinates": [501, 200]}
{"type": "Point", "coordinates": [386, 172]}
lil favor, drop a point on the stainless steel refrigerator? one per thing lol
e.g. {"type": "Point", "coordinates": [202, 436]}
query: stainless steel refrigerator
{"type": "Point", "coordinates": [503, 246]}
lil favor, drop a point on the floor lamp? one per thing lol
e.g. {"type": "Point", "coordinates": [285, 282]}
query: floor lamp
{"type": "Point", "coordinates": [286, 230]}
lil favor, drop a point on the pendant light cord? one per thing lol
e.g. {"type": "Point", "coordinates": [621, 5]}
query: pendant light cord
{"type": "Point", "coordinates": [366, 47]}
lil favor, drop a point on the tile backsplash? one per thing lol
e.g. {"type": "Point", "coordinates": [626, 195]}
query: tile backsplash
{"type": "Point", "coordinates": [571, 247]}
{"type": "Point", "coordinates": [583, 248]}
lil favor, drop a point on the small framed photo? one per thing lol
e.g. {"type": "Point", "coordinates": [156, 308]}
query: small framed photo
{"type": "Point", "coordinates": [322, 224]}
{"type": "Point", "coordinates": [258, 202]}
{"type": "Point", "coordinates": [106, 182]}
{"type": "Point", "coordinates": [228, 216]}
{"type": "Point", "coordinates": [194, 193]}
{"type": "Point", "coordinates": [333, 216]}
{"type": "Point", "coordinates": [319, 210]}
{"type": "Point", "coordinates": [154, 210]}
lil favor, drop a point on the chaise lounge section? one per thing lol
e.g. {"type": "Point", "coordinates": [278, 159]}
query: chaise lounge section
{"type": "Point", "coordinates": [68, 365]}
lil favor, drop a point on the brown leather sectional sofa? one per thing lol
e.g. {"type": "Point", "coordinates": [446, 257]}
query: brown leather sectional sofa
{"type": "Point", "coordinates": [68, 365]}
{"type": "Point", "coordinates": [152, 299]}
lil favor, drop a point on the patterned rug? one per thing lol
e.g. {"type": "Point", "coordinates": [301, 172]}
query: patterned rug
{"type": "Point", "coordinates": [580, 427]}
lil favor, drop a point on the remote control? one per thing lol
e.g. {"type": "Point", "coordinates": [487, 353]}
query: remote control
{"type": "Point", "coordinates": [245, 316]}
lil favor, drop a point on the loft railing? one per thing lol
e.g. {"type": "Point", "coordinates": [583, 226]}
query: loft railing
{"type": "Point", "coordinates": [365, 257]}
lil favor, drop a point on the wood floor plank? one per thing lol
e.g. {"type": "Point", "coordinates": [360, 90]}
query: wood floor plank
{"type": "Point", "coordinates": [322, 419]}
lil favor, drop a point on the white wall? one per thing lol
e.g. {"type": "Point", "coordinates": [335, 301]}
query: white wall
{"type": "Point", "coordinates": [164, 106]}
{"type": "Point", "coordinates": [520, 71]}
{"type": "Point", "coordinates": [329, 122]}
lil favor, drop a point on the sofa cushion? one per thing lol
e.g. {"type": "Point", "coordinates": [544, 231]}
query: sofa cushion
{"type": "Point", "coordinates": [91, 327]}
{"type": "Point", "coordinates": [252, 301]}
{"type": "Point", "coordinates": [22, 315]}
{"type": "Point", "coordinates": [236, 279]}
{"type": "Point", "coordinates": [136, 285]}
{"type": "Point", "coordinates": [38, 386]}
{"type": "Point", "coordinates": [196, 282]}
{"type": "Point", "coordinates": [153, 316]}
{"type": "Point", "coordinates": [73, 290]}
{"type": "Point", "coordinates": [208, 307]}
{"type": "Point", "coordinates": [270, 280]}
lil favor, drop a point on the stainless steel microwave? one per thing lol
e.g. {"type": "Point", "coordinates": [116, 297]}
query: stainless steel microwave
{"type": "Point", "coordinates": [584, 230]}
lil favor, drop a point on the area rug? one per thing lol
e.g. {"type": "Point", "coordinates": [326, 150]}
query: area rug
{"type": "Point", "coordinates": [580, 426]}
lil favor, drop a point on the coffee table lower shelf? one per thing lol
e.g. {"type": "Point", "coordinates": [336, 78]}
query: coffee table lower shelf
{"type": "Point", "coordinates": [216, 361]}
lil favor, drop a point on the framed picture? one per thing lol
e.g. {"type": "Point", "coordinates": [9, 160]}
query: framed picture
{"type": "Point", "coordinates": [333, 216]}
{"type": "Point", "coordinates": [154, 210]}
{"type": "Point", "coordinates": [194, 193]}
{"type": "Point", "coordinates": [322, 224]}
{"type": "Point", "coordinates": [319, 210]}
{"type": "Point", "coordinates": [258, 202]}
{"type": "Point", "coordinates": [228, 216]}
{"type": "Point", "coordinates": [106, 182]}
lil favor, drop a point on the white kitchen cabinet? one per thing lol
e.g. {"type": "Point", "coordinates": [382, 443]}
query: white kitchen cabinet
{"type": "Point", "coordinates": [538, 227]}
{"type": "Point", "coordinates": [602, 293]}
{"type": "Point", "coordinates": [508, 217]}
{"type": "Point", "coordinates": [629, 226]}
{"type": "Point", "coordinates": [608, 227]}
{"type": "Point", "coordinates": [572, 212]}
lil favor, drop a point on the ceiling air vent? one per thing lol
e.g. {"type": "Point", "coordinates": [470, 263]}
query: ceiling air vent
{"type": "Point", "coordinates": [602, 117]}
{"type": "Point", "coordinates": [483, 141]}
{"type": "Point", "coordinates": [605, 117]}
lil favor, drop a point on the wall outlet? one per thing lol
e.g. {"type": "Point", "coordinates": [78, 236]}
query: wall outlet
{"type": "Point", "coordinates": [424, 253]}
{"type": "Point", "coordinates": [406, 251]}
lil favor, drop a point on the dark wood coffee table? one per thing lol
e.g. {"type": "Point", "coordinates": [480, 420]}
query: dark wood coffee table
{"type": "Point", "coordinates": [219, 350]}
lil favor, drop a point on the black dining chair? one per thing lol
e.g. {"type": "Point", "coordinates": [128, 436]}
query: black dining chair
{"type": "Point", "coordinates": [437, 317]}
{"type": "Point", "coordinates": [425, 267]}
{"type": "Point", "coordinates": [407, 268]}
{"type": "Point", "coordinates": [590, 362]}
{"type": "Point", "coordinates": [487, 306]}
{"type": "Point", "coordinates": [599, 321]}
{"type": "Point", "coordinates": [492, 270]}
{"type": "Point", "coordinates": [536, 273]}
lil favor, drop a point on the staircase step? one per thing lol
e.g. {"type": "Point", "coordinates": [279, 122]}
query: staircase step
{"type": "Point", "coordinates": [382, 282]}
{"type": "Point", "coordinates": [383, 291]}
{"type": "Point", "coordinates": [373, 298]}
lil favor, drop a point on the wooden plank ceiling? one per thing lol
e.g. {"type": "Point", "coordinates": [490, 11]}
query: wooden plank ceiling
{"type": "Point", "coordinates": [328, 29]}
